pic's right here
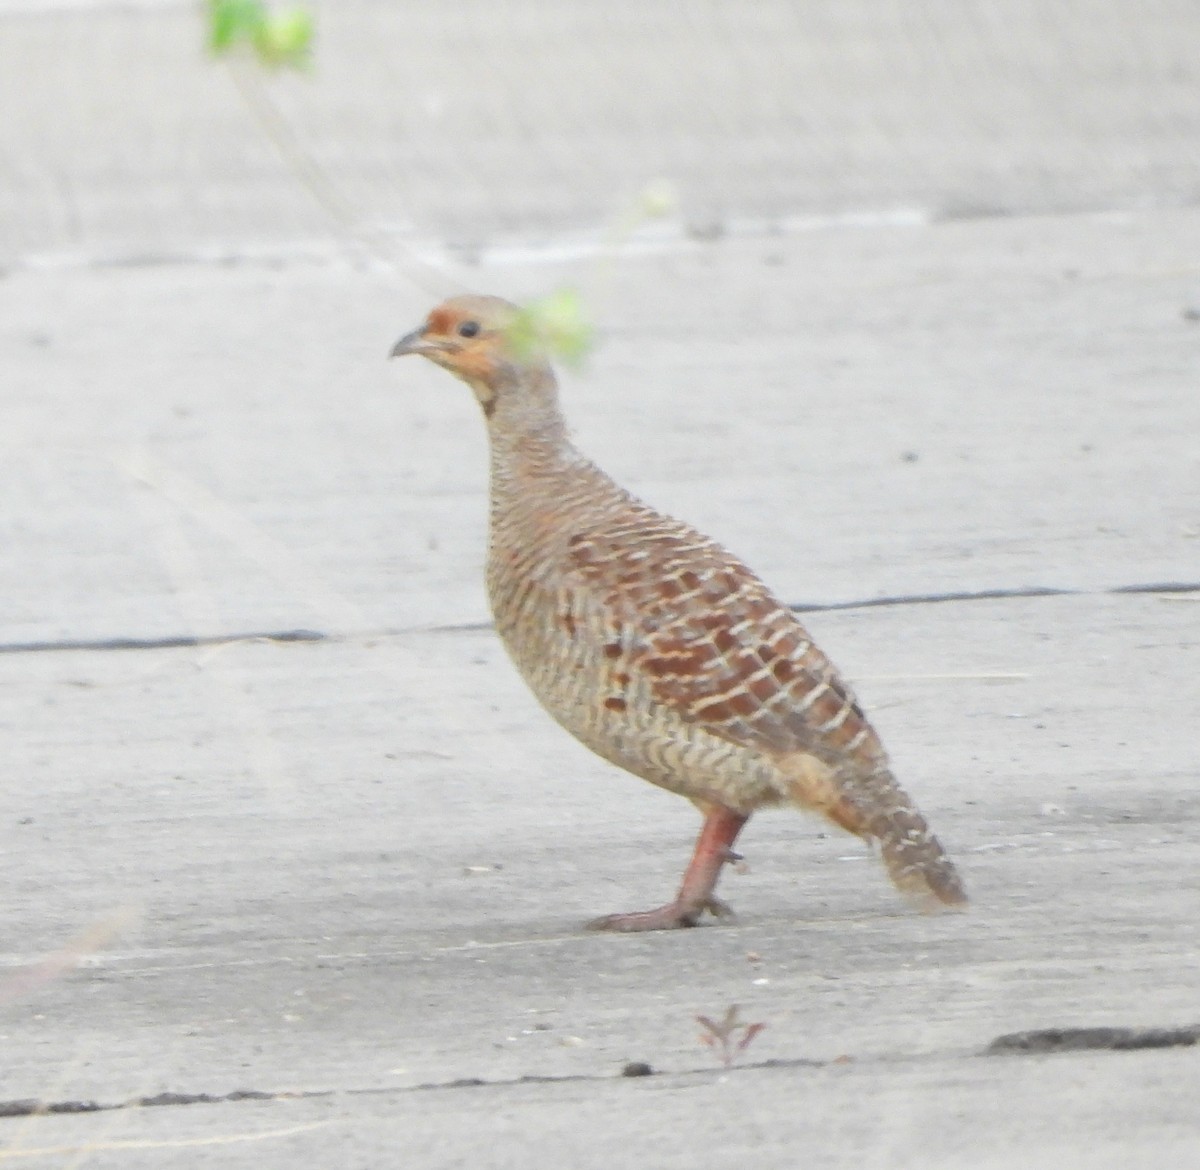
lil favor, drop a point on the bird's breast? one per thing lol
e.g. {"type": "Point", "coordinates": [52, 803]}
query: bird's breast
{"type": "Point", "coordinates": [571, 648]}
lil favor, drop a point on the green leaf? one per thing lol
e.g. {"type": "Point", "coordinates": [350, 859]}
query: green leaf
{"type": "Point", "coordinates": [285, 38]}
{"type": "Point", "coordinates": [278, 38]}
{"type": "Point", "coordinates": [555, 326]}
{"type": "Point", "coordinates": [232, 21]}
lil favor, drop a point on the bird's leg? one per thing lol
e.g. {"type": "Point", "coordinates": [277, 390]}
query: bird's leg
{"type": "Point", "coordinates": [714, 847]}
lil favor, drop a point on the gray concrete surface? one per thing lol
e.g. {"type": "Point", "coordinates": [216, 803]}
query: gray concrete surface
{"type": "Point", "coordinates": [346, 875]}
{"type": "Point", "coordinates": [536, 117]}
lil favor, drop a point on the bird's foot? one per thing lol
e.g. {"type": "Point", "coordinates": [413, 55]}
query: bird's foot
{"type": "Point", "coordinates": [673, 916]}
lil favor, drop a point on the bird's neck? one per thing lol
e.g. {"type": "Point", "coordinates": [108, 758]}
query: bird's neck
{"type": "Point", "coordinates": [527, 433]}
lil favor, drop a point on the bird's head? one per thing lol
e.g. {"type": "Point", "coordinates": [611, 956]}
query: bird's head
{"type": "Point", "coordinates": [469, 336]}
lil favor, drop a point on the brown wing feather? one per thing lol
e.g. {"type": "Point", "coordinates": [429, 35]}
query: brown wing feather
{"type": "Point", "coordinates": [708, 640]}
{"type": "Point", "coordinates": [714, 645]}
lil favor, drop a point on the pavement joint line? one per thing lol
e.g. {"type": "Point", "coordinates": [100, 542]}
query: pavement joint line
{"type": "Point", "coordinates": [674, 236]}
{"type": "Point", "coordinates": [167, 641]}
{"type": "Point", "coordinates": [1036, 1042]}
{"type": "Point", "coordinates": [27, 1107]}
{"type": "Point", "coordinates": [1168, 590]}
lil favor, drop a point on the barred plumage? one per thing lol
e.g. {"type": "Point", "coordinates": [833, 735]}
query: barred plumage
{"type": "Point", "coordinates": [655, 647]}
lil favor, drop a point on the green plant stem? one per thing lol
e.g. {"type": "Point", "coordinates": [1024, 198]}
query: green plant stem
{"type": "Point", "coordinates": [315, 179]}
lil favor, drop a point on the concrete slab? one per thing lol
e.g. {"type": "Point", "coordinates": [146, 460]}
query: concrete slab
{"type": "Point", "coordinates": [359, 864]}
{"type": "Point", "coordinates": [328, 904]}
{"type": "Point", "coordinates": [893, 1113]}
{"type": "Point", "coordinates": [532, 118]}
{"type": "Point", "coordinates": [856, 413]}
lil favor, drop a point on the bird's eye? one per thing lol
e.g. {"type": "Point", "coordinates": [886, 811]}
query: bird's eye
{"type": "Point", "coordinates": [468, 329]}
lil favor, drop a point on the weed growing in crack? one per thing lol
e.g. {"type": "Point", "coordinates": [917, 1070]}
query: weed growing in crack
{"type": "Point", "coordinates": [729, 1036]}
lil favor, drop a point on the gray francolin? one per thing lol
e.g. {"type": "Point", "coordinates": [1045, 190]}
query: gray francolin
{"type": "Point", "coordinates": [656, 648]}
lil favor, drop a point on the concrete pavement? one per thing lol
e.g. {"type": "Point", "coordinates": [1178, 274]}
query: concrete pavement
{"type": "Point", "coordinates": [334, 884]}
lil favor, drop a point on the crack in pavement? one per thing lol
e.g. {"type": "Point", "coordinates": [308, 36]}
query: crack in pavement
{"type": "Point", "coordinates": [177, 641]}
{"type": "Point", "coordinates": [1045, 1040]}
{"type": "Point", "coordinates": [27, 1107]}
{"type": "Point", "coordinates": [32, 1106]}
{"type": "Point", "coordinates": [166, 642]}
{"type": "Point", "coordinates": [1032, 1043]}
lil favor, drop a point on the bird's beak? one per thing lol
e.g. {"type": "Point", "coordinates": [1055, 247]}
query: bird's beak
{"type": "Point", "coordinates": [414, 342]}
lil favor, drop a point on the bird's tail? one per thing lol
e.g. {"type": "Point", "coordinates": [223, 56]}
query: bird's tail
{"type": "Point", "coordinates": [915, 859]}
{"type": "Point", "coordinates": [871, 804]}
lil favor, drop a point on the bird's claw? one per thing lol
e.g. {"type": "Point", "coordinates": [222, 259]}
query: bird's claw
{"type": "Point", "coordinates": [672, 916]}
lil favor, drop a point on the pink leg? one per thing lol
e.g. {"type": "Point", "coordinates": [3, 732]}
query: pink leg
{"type": "Point", "coordinates": [714, 847]}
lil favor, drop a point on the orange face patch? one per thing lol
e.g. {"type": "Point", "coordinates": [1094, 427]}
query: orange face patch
{"type": "Point", "coordinates": [442, 321]}
{"type": "Point", "coordinates": [474, 364]}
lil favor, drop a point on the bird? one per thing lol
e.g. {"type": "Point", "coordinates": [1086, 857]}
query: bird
{"type": "Point", "coordinates": [656, 648]}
